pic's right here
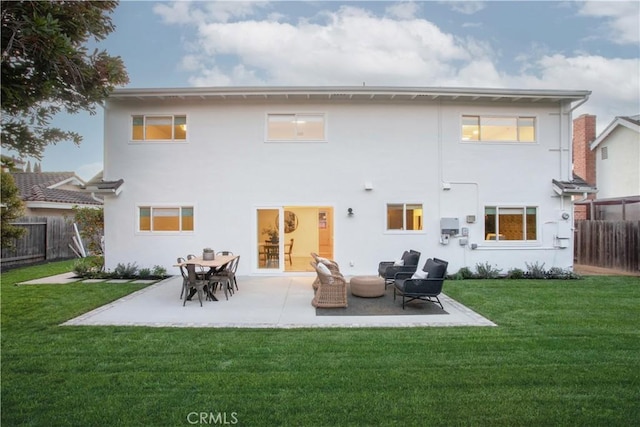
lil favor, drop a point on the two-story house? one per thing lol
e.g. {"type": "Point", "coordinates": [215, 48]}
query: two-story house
{"type": "Point", "coordinates": [357, 174]}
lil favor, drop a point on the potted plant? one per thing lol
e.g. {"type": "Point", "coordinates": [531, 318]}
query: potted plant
{"type": "Point", "coordinates": [208, 254]}
{"type": "Point", "coordinates": [272, 233]}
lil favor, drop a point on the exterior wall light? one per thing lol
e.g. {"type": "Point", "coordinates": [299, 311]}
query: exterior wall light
{"type": "Point", "coordinates": [350, 212]}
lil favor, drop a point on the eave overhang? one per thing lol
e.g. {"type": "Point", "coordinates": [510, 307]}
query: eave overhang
{"type": "Point", "coordinates": [348, 93]}
{"type": "Point", "coordinates": [573, 187]}
{"type": "Point", "coordinates": [104, 187]}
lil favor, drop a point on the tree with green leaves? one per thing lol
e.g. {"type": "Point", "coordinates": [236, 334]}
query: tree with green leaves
{"type": "Point", "coordinates": [90, 223]}
{"type": "Point", "coordinates": [12, 209]}
{"type": "Point", "coordinates": [47, 68]}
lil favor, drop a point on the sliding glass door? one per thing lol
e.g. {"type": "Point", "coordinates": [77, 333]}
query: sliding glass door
{"type": "Point", "coordinates": [287, 235]}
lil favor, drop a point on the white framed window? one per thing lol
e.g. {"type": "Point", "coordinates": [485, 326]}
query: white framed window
{"type": "Point", "coordinates": [604, 153]}
{"type": "Point", "coordinates": [498, 128]}
{"type": "Point", "coordinates": [295, 127]}
{"type": "Point", "coordinates": [165, 218]}
{"type": "Point", "coordinates": [512, 223]}
{"type": "Point", "coordinates": [159, 127]}
{"type": "Point", "coordinates": [404, 217]}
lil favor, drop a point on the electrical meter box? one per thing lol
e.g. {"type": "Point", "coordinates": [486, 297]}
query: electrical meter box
{"type": "Point", "coordinates": [450, 226]}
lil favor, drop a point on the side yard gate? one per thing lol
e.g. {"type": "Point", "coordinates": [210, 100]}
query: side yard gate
{"type": "Point", "coordinates": [46, 239]}
{"type": "Point", "coordinates": [608, 244]}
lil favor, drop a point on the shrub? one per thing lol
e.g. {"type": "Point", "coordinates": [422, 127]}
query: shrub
{"type": "Point", "coordinates": [89, 267]}
{"type": "Point", "coordinates": [487, 271]}
{"type": "Point", "coordinates": [535, 270]}
{"type": "Point", "coordinates": [144, 273]}
{"type": "Point", "coordinates": [515, 273]}
{"type": "Point", "coordinates": [559, 273]}
{"type": "Point", "coordinates": [463, 274]}
{"type": "Point", "coordinates": [158, 271]}
{"type": "Point", "coordinates": [125, 271]}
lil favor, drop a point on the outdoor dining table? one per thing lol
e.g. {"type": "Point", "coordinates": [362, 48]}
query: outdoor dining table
{"type": "Point", "coordinates": [215, 266]}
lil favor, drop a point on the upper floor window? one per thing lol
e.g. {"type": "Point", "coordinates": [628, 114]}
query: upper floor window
{"type": "Point", "coordinates": [159, 128]}
{"type": "Point", "coordinates": [295, 127]}
{"type": "Point", "coordinates": [511, 223]}
{"type": "Point", "coordinates": [159, 218]}
{"type": "Point", "coordinates": [499, 128]}
{"type": "Point", "coordinates": [604, 153]}
{"type": "Point", "coordinates": [404, 216]}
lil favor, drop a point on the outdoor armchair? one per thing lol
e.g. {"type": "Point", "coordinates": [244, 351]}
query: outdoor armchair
{"type": "Point", "coordinates": [408, 263]}
{"type": "Point", "coordinates": [333, 267]}
{"type": "Point", "coordinates": [426, 289]}
{"type": "Point", "coordinates": [332, 288]}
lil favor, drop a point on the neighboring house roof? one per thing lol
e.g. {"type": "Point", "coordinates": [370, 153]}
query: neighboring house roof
{"type": "Point", "coordinates": [631, 122]}
{"type": "Point", "coordinates": [43, 187]}
{"type": "Point", "coordinates": [341, 93]}
{"type": "Point", "coordinates": [576, 186]}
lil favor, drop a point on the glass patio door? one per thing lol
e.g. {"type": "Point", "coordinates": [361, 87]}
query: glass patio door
{"type": "Point", "coordinates": [286, 236]}
{"type": "Point", "coordinates": [268, 239]}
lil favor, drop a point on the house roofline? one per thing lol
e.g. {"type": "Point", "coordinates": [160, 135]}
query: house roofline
{"type": "Point", "coordinates": [350, 93]}
{"type": "Point", "coordinates": [618, 121]}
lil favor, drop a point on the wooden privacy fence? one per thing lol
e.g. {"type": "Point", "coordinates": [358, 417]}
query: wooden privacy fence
{"type": "Point", "coordinates": [46, 239]}
{"type": "Point", "coordinates": [608, 244]}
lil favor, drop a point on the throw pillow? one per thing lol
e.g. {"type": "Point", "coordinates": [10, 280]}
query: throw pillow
{"type": "Point", "coordinates": [398, 263]}
{"type": "Point", "coordinates": [324, 271]}
{"type": "Point", "coordinates": [419, 274]}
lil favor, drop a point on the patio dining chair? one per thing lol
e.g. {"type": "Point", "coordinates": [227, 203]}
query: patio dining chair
{"type": "Point", "coordinates": [194, 282]}
{"type": "Point", "coordinates": [202, 274]}
{"type": "Point", "coordinates": [230, 271]}
{"type": "Point", "coordinates": [222, 278]}
{"type": "Point", "coordinates": [185, 277]}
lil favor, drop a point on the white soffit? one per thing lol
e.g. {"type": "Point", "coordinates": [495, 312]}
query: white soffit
{"type": "Point", "coordinates": [357, 93]}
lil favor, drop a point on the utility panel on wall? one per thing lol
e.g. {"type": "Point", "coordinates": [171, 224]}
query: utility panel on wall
{"type": "Point", "coordinates": [449, 226]}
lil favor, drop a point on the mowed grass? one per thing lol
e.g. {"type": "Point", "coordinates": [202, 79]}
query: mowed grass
{"type": "Point", "coordinates": [564, 353]}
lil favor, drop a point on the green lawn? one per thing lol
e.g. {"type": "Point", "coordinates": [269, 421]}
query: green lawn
{"type": "Point", "coordinates": [564, 353]}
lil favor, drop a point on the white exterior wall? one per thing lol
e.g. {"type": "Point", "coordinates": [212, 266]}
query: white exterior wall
{"type": "Point", "coordinates": [226, 171]}
{"type": "Point", "coordinates": [619, 174]}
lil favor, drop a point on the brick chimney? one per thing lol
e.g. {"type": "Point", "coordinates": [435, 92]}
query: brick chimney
{"type": "Point", "coordinates": [584, 160]}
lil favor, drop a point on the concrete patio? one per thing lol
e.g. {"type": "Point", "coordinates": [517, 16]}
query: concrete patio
{"type": "Point", "coordinates": [261, 302]}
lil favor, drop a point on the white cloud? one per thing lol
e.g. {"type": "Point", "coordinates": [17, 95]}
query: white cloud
{"type": "Point", "coordinates": [351, 45]}
{"type": "Point", "coordinates": [622, 19]}
{"type": "Point", "coordinates": [404, 10]}
{"type": "Point", "coordinates": [466, 7]}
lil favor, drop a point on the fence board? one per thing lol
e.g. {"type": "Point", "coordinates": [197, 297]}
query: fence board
{"type": "Point", "coordinates": [608, 244]}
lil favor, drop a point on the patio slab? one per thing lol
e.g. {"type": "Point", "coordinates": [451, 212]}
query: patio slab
{"type": "Point", "coordinates": [261, 302]}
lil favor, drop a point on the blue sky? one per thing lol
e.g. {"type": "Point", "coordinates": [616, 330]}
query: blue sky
{"type": "Point", "coordinates": [526, 45]}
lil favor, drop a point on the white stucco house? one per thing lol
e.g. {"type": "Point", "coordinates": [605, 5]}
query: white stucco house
{"type": "Point", "coordinates": [356, 174]}
{"type": "Point", "coordinates": [617, 157]}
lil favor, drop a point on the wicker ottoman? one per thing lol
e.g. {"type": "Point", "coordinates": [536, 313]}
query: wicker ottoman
{"type": "Point", "coordinates": [367, 286]}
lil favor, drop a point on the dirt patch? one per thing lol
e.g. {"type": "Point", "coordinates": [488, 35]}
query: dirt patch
{"type": "Point", "coordinates": [589, 270]}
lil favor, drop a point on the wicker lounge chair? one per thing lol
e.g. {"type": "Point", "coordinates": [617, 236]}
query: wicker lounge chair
{"type": "Point", "coordinates": [332, 289]}
{"type": "Point", "coordinates": [331, 265]}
